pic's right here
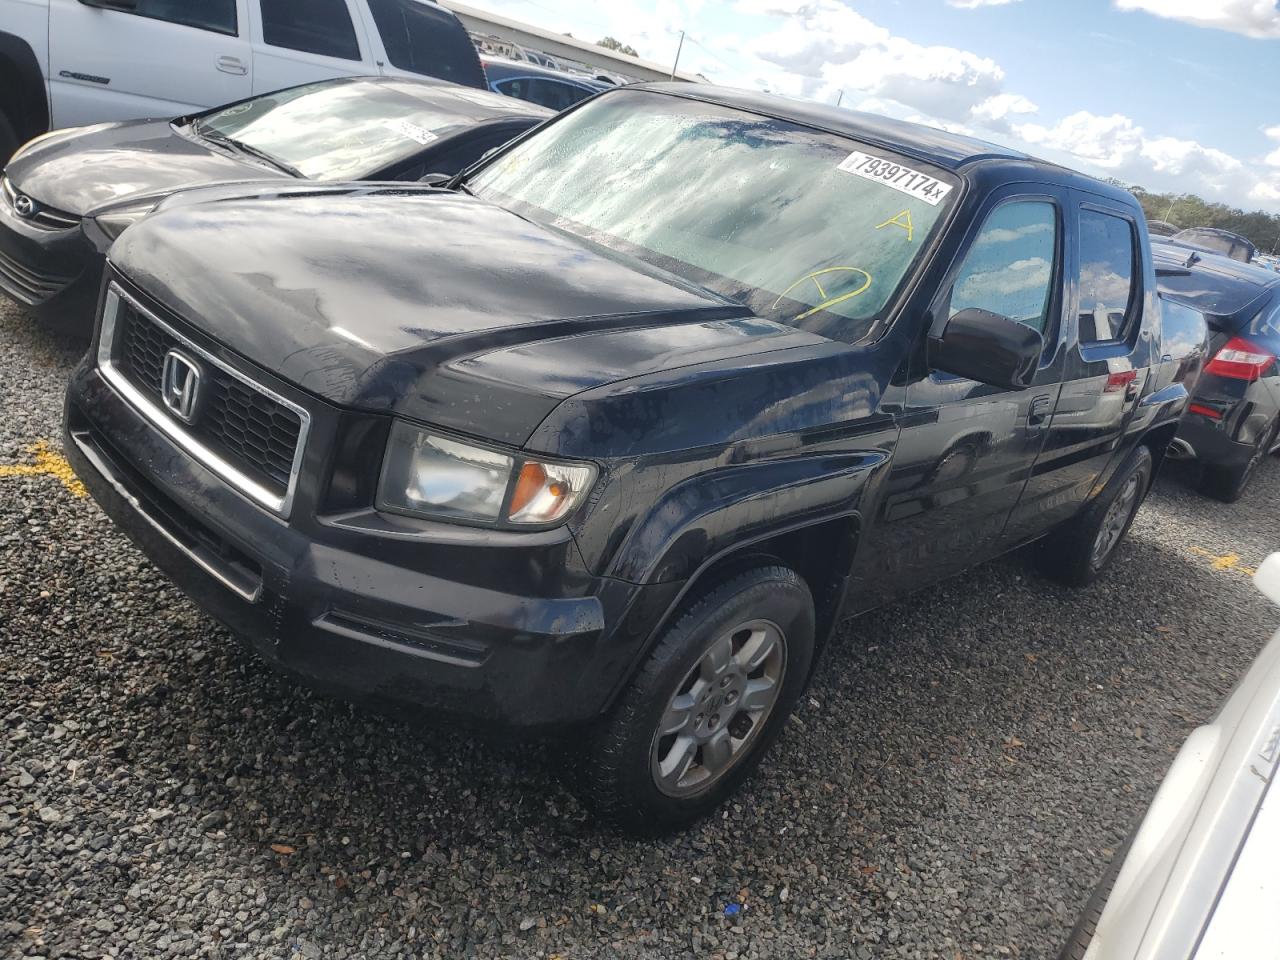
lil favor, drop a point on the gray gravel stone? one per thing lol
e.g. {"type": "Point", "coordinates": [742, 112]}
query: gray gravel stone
{"type": "Point", "coordinates": [966, 765]}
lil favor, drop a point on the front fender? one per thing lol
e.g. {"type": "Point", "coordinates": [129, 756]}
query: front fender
{"type": "Point", "coordinates": [715, 512]}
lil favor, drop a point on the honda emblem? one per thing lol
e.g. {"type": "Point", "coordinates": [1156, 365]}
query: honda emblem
{"type": "Point", "coordinates": [180, 386]}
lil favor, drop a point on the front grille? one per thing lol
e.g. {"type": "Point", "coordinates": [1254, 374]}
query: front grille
{"type": "Point", "coordinates": [44, 216]}
{"type": "Point", "coordinates": [28, 285]}
{"type": "Point", "coordinates": [254, 432]}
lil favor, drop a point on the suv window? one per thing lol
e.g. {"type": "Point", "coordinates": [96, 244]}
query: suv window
{"type": "Point", "coordinates": [321, 27]}
{"type": "Point", "coordinates": [1009, 268]}
{"type": "Point", "coordinates": [428, 40]}
{"type": "Point", "coordinates": [1108, 251]}
{"type": "Point", "coordinates": [218, 16]}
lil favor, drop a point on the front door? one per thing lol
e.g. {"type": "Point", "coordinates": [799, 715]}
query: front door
{"type": "Point", "coordinates": [156, 59]}
{"type": "Point", "coordinates": [299, 41]}
{"type": "Point", "coordinates": [967, 449]}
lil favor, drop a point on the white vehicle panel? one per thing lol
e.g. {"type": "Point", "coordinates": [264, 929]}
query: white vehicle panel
{"type": "Point", "coordinates": [178, 68]}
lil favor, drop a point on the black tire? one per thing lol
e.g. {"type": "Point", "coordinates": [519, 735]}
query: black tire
{"type": "Point", "coordinates": [622, 779]}
{"type": "Point", "coordinates": [1070, 554]}
{"type": "Point", "coordinates": [1082, 935]}
{"type": "Point", "coordinates": [8, 140]}
{"type": "Point", "coordinates": [1228, 484]}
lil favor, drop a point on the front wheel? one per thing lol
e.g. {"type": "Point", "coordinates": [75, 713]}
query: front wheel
{"type": "Point", "coordinates": [706, 705]}
{"type": "Point", "coordinates": [1081, 550]}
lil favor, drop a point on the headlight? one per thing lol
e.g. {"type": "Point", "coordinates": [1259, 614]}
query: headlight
{"type": "Point", "coordinates": [116, 220]}
{"type": "Point", "coordinates": [428, 475]}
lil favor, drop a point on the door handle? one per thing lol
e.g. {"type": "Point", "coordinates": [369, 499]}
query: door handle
{"type": "Point", "coordinates": [232, 65]}
{"type": "Point", "coordinates": [1041, 407]}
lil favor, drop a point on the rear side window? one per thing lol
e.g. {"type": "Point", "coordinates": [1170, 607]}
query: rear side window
{"type": "Point", "coordinates": [1108, 253]}
{"type": "Point", "coordinates": [322, 27]}
{"type": "Point", "coordinates": [1184, 329]}
{"type": "Point", "coordinates": [427, 40]}
{"type": "Point", "coordinates": [218, 16]}
{"type": "Point", "coordinates": [1009, 269]}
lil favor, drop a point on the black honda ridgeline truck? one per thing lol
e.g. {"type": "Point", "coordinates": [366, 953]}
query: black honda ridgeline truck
{"type": "Point", "coordinates": [610, 432]}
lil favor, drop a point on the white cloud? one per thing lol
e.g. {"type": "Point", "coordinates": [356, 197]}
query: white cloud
{"type": "Point", "coordinates": [825, 47]}
{"type": "Point", "coordinates": [1253, 18]}
{"type": "Point", "coordinates": [1107, 142]}
{"type": "Point", "coordinates": [974, 4]}
{"type": "Point", "coordinates": [1273, 159]}
{"type": "Point", "coordinates": [995, 112]}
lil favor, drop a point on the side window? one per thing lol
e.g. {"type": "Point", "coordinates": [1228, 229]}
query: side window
{"type": "Point", "coordinates": [513, 88]}
{"type": "Point", "coordinates": [218, 16]}
{"type": "Point", "coordinates": [555, 94]}
{"type": "Point", "coordinates": [1009, 269]}
{"type": "Point", "coordinates": [1184, 329]}
{"type": "Point", "coordinates": [427, 39]}
{"type": "Point", "coordinates": [1108, 251]}
{"type": "Point", "coordinates": [321, 27]}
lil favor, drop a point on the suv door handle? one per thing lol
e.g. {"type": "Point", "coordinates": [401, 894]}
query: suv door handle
{"type": "Point", "coordinates": [232, 65]}
{"type": "Point", "coordinates": [1041, 407]}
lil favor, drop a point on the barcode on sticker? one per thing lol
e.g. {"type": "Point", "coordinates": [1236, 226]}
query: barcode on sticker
{"type": "Point", "coordinates": [899, 176]}
{"type": "Point", "coordinates": [412, 131]}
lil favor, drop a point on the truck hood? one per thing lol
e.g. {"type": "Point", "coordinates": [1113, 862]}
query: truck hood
{"type": "Point", "coordinates": [427, 304]}
{"type": "Point", "coordinates": [105, 164]}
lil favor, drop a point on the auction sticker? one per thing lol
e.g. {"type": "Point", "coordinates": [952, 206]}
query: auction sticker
{"type": "Point", "coordinates": [412, 131]}
{"type": "Point", "coordinates": [902, 178]}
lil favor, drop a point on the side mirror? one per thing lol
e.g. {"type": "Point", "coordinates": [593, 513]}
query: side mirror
{"type": "Point", "coordinates": [987, 347]}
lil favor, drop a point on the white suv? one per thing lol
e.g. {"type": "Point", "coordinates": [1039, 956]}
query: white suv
{"type": "Point", "coordinates": [70, 62]}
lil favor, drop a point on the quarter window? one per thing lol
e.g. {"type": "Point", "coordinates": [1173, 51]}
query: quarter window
{"type": "Point", "coordinates": [1107, 255]}
{"type": "Point", "coordinates": [218, 16]}
{"type": "Point", "coordinates": [1184, 329]}
{"type": "Point", "coordinates": [321, 27]}
{"type": "Point", "coordinates": [426, 39]}
{"type": "Point", "coordinates": [1009, 269]}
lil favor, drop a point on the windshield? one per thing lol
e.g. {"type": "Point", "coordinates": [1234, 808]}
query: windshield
{"type": "Point", "coordinates": [805, 227]}
{"type": "Point", "coordinates": [339, 130]}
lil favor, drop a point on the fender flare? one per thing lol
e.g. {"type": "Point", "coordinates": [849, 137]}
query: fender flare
{"type": "Point", "coordinates": [24, 99]}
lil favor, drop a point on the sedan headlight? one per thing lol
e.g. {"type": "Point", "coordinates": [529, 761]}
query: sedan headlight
{"type": "Point", "coordinates": [428, 475]}
{"type": "Point", "coordinates": [115, 220]}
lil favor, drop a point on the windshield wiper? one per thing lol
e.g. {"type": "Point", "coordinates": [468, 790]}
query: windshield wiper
{"type": "Point", "coordinates": [241, 147]}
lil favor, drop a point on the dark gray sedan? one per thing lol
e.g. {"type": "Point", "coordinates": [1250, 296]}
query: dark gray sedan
{"type": "Point", "coordinates": [67, 195]}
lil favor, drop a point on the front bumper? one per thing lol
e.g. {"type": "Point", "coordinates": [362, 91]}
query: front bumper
{"type": "Point", "coordinates": [505, 629]}
{"type": "Point", "coordinates": [51, 272]}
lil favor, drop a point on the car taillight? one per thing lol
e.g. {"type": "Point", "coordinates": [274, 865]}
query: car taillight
{"type": "Point", "coordinates": [1240, 360]}
{"type": "Point", "coordinates": [1205, 411]}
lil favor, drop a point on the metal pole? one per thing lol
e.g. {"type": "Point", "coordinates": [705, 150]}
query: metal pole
{"type": "Point", "coordinates": [678, 49]}
{"type": "Point", "coordinates": [1168, 213]}
{"type": "Point", "coordinates": [839, 97]}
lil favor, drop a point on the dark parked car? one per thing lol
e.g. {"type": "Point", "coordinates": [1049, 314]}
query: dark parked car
{"type": "Point", "coordinates": [619, 454]}
{"type": "Point", "coordinates": [1233, 420]}
{"type": "Point", "coordinates": [1212, 240]}
{"type": "Point", "coordinates": [69, 194]}
{"type": "Point", "coordinates": [547, 88]}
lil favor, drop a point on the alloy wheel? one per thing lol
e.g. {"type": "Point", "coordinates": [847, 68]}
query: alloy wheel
{"type": "Point", "coordinates": [719, 708]}
{"type": "Point", "coordinates": [1117, 518]}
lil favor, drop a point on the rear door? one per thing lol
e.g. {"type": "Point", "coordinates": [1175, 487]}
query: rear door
{"type": "Point", "coordinates": [161, 58]}
{"type": "Point", "coordinates": [967, 449]}
{"type": "Point", "coordinates": [299, 41]}
{"type": "Point", "coordinates": [1113, 339]}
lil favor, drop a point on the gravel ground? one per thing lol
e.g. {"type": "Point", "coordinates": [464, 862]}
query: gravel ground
{"type": "Point", "coordinates": [963, 770]}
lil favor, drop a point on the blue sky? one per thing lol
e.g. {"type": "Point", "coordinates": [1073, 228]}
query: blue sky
{"type": "Point", "coordinates": [1170, 94]}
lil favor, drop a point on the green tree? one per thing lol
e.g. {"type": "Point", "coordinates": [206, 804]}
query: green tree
{"type": "Point", "coordinates": [1188, 210]}
{"type": "Point", "coordinates": [609, 43]}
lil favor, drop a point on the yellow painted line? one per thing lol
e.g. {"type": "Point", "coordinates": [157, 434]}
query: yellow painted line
{"type": "Point", "coordinates": [47, 463]}
{"type": "Point", "coordinates": [1225, 561]}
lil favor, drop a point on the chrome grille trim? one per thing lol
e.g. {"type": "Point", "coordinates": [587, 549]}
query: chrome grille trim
{"type": "Point", "coordinates": [44, 217]}
{"type": "Point", "coordinates": [108, 335]}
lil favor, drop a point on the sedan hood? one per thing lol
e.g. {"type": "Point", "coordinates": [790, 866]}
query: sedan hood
{"type": "Point", "coordinates": [428, 304]}
{"type": "Point", "coordinates": [110, 163]}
